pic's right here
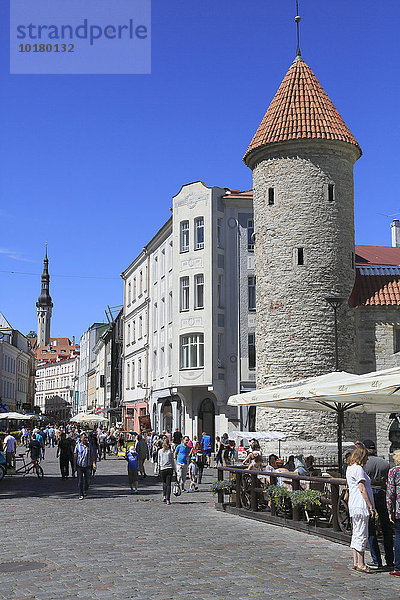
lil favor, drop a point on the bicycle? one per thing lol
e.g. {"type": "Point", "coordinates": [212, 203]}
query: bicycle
{"type": "Point", "coordinates": [32, 466]}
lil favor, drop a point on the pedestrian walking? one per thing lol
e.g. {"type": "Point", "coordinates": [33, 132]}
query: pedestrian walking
{"type": "Point", "coordinates": [143, 454]}
{"type": "Point", "coordinates": [182, 453]}
{"type": "Point", "coordinates": [198, 454]}
{"type": "Point", "coordinates": [166, 468]}
{"type": "Point", "coordinates": [103, 444]}
{"type": "Point", "coordinates": [393, 506]}
{"type": "Point", "coordinates": [133, 465]}
{"type": "Point", "coordinates": [52, 434]}
{"type": "Point", "coordinates": [65, 451]}
{"type": "Point", "coordinates": [206, 443]}
{"type": "Point", "coordinates": [193, 470]}
{"type": "Point", "coordinates": [361, 506]}
{"type": "Point", "coordinates": [377, 470]}
{"type": "Point", "coordinates": [34, 449]}
{"type": "Point", "coordinates": [176, 438]}
{"type": "Point", "coordinates": [218, 451]}
{"type": "Point", "coordinates": [10, 447]}
{"type": "Point", "coordinates": [84, 462]}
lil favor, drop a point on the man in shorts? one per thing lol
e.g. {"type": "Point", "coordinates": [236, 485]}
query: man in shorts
{"type": "Point", "coordinates": [182, 453]}
{"type": "Point", "coordinates": [9, 447]}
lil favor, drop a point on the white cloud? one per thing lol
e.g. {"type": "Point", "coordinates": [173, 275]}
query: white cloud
{"type": "Point", "coordinates": [15, 255]}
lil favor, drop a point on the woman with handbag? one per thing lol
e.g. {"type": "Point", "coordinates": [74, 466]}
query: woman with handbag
{"type": "Point", "coordinates": [361, 506]}
{"type": "Point", "coordinates": [166, 468]}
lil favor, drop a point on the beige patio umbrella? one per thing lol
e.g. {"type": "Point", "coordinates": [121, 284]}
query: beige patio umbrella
{"type": "Point", "coordinates": [377, 392]}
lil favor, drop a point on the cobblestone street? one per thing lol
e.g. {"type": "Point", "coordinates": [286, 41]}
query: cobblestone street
{"type": "Point", "coordinates": [114, 545]}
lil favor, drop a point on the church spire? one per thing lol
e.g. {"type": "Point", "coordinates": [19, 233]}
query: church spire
{"type": "Point", "coordinates": [297, 21]}
{"type": "Point", "coordinates": [44, 305]}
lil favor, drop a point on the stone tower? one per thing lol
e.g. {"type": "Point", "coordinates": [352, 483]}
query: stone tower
{"type": "Point", "coordinates": [44, 306]}
{"type": "Point", "coordinates": [302, 158]}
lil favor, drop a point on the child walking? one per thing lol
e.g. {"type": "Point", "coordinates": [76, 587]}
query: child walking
{"type": "Point", "coordinates": [193, 470]}
{"type": "Point", "coordinates": [133, 465]}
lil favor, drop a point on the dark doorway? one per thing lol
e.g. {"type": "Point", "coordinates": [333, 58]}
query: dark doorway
{"type": "Point", "coordinates": [167, 416]}
{"type": "Point", "coordinates": [206, 421]}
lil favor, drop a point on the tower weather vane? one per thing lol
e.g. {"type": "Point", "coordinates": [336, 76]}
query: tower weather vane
{"type": "Point", "coordinates": [297, 20]}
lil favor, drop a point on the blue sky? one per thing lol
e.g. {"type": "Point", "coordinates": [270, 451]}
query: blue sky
{"type": "Point", "coordinates": [90, 163]}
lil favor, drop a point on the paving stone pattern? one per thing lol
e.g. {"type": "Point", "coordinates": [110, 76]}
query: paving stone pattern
{"type": "Point", "coordinates": [116, 545]}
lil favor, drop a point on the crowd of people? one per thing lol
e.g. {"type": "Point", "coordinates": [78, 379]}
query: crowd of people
{"type": "Point", "coordinates": [175, 457]}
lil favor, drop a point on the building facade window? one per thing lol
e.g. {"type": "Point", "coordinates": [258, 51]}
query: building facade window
{"type": "Point", "coordinates": [140, 332]}
{"type": "Point", "coordinates": [199, 291]}
{"type": "Point", "coordinates": [170, 307]}
{"type": "Point", "coordinates": [163, 262]}
{"type": "Point", "coordinates": [133, 375]}
{"type": "Point", "coordinates": [220, 291]}
{"type": "Point", "coordinates": [250, 232]}
{"type": "Point", "coordinates": [396, 339]}
{"type": "Point", "coordinates": [252, 350]}
{"type": "Point", "coordinates": [128, 375]}
{"type": "Point", "coordinates": [155, 316]}
{"type": "Point", "coordinates": [169, 359]}
{"type": "Point", "coordinates": [128, 335]}
{"type": "Point", "coordinates": [155, 364]}
{"type": "Point", "coordinates": [140, 283]}
{"type": "Point", "coordinates": [220, 234]}
{"type": "Point", "coordinates": [162, 362]}
{"type": "Point", "coordinates": [199, 233]}
{"type": "Point", "coordinates": [271, 196]}
{"type": "Point", "coordinates": [192, 351]}
{"type": "Point", "coordinates": [220, 349]}
{"type": "Point", "coordinates": [155, 269]}
{"type": "Point", "coordinates": [162, 313]}
{"type": "Point", "coordinates": [251, 288]}
{"type": "Point", "coordinates": [300, 256]}
{"type": "Point", "coordinates": [331, 192]}
{"type": "Point", "coordinates": [139, 371]}
{"type": "Point", "coordinates": [134, 290]}
{"type": "Point", "coordinates": [184, 236]}
{"type": "Point", "coordinates": [133, 332]}
{"type": "Point", "coordinates": [184, 293]}
{"type": "Point", "coordinates": [170, 256]}
{"type": "Point", "coordinates": [129, 293]}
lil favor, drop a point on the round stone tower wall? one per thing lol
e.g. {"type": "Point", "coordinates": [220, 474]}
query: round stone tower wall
{"type": "Point", "coordinates": [309, 222]}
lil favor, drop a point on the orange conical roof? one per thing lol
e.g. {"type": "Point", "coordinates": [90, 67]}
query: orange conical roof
{"type": "Point", "coordinates": [300, 109]}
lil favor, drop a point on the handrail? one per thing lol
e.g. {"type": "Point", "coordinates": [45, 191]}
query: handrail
{"type": "Point", "coordinates": [275, 475]}
{"type": "Point", "coordinates": [285, 474]}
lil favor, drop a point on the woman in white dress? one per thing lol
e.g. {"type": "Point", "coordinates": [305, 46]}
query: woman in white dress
{"type": "Point", "coordinates": [361, 506]}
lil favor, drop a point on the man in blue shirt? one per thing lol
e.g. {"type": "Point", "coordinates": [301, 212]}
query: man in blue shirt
{"type": "Point", "coordinates": [84, 461]}
{"type": "Point", "coordinates": [182, 453]}
{"type": "Point", "coordinates": [206, 441]}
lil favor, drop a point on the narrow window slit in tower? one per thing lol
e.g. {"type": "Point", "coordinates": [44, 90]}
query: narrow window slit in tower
{"type": "Point", "coordinates": [300, 256]}
{"type": "Point", "coordinates": [271, 196]}
{"type": "Point", "coordinates": [330, 192]}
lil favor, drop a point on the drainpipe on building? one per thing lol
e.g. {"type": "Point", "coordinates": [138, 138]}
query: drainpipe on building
{"type": "Point", "coordinates": [239, 355]}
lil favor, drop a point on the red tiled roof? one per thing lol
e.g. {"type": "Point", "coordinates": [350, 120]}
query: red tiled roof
{"type": "Point", "coordinates": [238, 194]}
{"type": "Point", "coordinates": [61, 344]}
{"type": "Point", "coordinates": [377, 255]}
{"type": "Point", "coordinates": [376, 290]}
{"type": "Point", "coordinates": [300, 109]}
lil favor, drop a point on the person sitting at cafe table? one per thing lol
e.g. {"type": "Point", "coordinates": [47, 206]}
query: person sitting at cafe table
{"type": "Point", "coordinates": [255, 451]}
{"type": "Point", "coordinates": [271, 466]}
{"type": "Point", "coordinates": [255, 463]}
{"type": "Point", "coordinates": [290, 464]}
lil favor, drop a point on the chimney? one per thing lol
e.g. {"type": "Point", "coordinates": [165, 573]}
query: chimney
{"type": "Point", "coordinates": [73, 340]}
{"type": "Point", "coordinates": [395, 225]}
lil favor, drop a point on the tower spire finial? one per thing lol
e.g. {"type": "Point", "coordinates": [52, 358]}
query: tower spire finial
{"type": "Point", "coordinates": [297, 21]}
{"type": "Point", "coordinates": [46, 249]}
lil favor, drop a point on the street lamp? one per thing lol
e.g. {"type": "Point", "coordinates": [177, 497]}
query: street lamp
{"type": "Point", "coordinates": [335, 303]}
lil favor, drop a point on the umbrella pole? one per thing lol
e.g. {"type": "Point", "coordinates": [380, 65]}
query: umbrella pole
{"type": "Point", "coordinates": [339, 438]}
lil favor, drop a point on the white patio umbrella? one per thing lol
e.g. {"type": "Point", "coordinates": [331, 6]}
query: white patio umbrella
{"type": "Point", "coordinates": [88, 418]}
{"type": "Point", "coordinates": [377, 392]}
{"type": "Point", "coordinates": [15, 416]}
